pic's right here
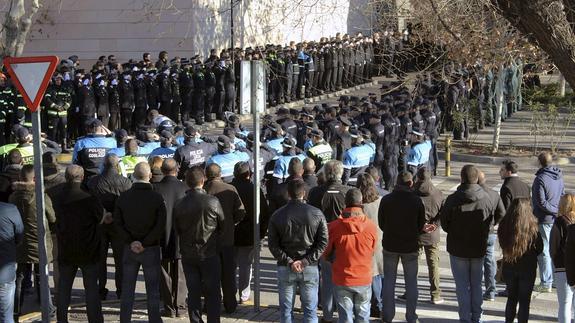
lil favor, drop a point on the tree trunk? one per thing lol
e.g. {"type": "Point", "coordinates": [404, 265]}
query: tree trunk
{"type": "Point", "coordinates": [548, 24]}
{"type": "Point", "coordinates": [18, 23]}
{"type": "Point", "coordinates": [561, 85]}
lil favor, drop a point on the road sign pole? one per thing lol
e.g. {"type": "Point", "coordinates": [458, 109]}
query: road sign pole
{"type": "Point", "coordinates": [255, 105]}
{"type": "Point", "coordinates": [40, 209]}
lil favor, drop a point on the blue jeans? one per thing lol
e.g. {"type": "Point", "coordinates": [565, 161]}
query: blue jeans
{"type": "Point", "coordinates": [544, 259]}
{"type": "Point", "coordinates": [565, 298]}
{"type": "Point", "coordinates": [7, 291]}
{"type": "Point", "coordinates": [150, 261]}
{"type": "Point", "coordinates": [376, 292]}
{"type": "Point", "coordinates": [203, 277]}
{"type": "Point", "coordinates": [490, 267]}
{"type": "Point", "coordinates": [326, 290]}
{"type": "Point", "coordinates": [353, 303]}
{"type": "Point", "coordinates": [468, 273]}
{"type": "Point", "coordinates": [409, 261]}
{"type": "Point", "coordinates": [308, 283]}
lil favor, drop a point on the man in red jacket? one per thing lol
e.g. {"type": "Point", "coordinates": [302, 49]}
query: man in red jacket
{"type": "Point", "coordinates": [350, 249]}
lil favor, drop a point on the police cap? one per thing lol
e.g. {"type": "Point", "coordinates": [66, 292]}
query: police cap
{"type": "Point", "coordinates": [317, 133]}
{"type": "Point", "coordinates": [288, 143]}
{"type": "Point", "coordinates": [224, 142]}
{"type": "Point", "coordinates": [345, 121]}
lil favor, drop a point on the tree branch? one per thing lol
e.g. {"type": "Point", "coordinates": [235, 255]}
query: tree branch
{"type": "Point", "coordinates": [434, 7]}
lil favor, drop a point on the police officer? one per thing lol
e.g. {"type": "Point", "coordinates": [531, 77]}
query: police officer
{"type": "Point", "coordinates": [127, 106]}
{"type": "Point", "coordinates": [330, 125]}
{"type": "Point", "coordinates": [230, 83]}
{"type": "Point", "coordinates": [199, 93]}
{"type": "Point", "coordinates": [220, 97]}
{"type": "Point", "coordinates": [167, 148]}
{"type": "Point", "coordinates": [282, 162]}
{"type": "Point", "coordinates": [102, 100]}
{"type": "Point", "coordinates": [390, 147]}
{"type": "Point", "coordinates": [431, 131]}
{"type": "Point", "coordinates": [140, 98]}
{"type": "Point", "coordinates": [114, 102]}
{"type": "Point", "coordinates": [210, 82]}
{"type": "Point", "coordinates": [87, 101]}
{"type": "Point", "coordinates": [356, 159]}
{"type": "Point", "coordinates": [175, 107]}
{"type": "Point", "coordinates": [131, 159]}
{"type": "Point", "coordinates": [152, 89]}
{"type": "Point", "coordinates": [90, 150]}
{"type": "Point", "coordinates": [165, 91]}
{"type": "Point", "coordinates": [194, 152]}
{"type": "Point", "coordinates": [276, 137]}
{"type": "Point", "coordinates": [320, 151]}
{"type": "Point", "coordinates": [226, 158]}
{"type": "Point", "coordinates": [6, 109]}
{"type": "Point", "coordinates": [418, 156]}
{"type": "Point", "coordinates": [58, 100]}
{"type": "Point", "coordinates": [404, 135]}
{"type": "Point", "coordinates": [342, 138]}
{"type": "Point", "coordinates": [186, 89]}
{"type": "Point", "coordinates": [286, 122]}
{"type": "Point", "coordinates": [378, 132]}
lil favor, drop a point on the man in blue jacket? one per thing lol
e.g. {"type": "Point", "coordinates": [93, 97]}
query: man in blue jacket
{"type": "Point", "coordinates": [547, 189]}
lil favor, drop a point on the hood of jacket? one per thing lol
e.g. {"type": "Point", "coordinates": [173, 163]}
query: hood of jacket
{"type": "Point", "coordinates": [424, 188]}
{"type": "Point", "coordinates": [551, 172]}
{"type": "Point", "coordinates": [353, 220]}
{"type": "Point", "coordinates": [469, 193]}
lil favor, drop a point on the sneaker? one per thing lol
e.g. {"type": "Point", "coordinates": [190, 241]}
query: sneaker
{"type": "Point", "coordinates": [437, 300]}
{"type": "Point", "coordinates": [542, 289]}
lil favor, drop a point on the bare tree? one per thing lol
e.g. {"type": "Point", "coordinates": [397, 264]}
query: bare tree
{"type": "Point", "coordinates": [16, 26]}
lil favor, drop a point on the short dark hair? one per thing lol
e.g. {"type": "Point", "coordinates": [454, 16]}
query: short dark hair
{"type": "Point", "coordinates": [27, 173]}
{"type": "Point", "coordinates": [296, 189]}
{"type": "Point", "coordinates": [404, 179]}
{"type": "Point", "coordinates": [194, 176]}
{"type": "Point", "coordinates": [469, 174]}
{"type": "Point", "coordinates": [295, 167]}
{"type": "Point", "coordinates": [353, 197]}
{"type": "Point", "coordinates": [545, 158]}
{"type": "Point", "coordinates": [510, 166]}
{"type": "Point", "coordinates": [14, 157]}
{"type": "Point", "coordinates": [213, 171]}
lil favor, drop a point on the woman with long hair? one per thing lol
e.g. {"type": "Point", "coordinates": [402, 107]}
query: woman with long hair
{"type": "Point", "coordinates": [557, 240]}
{"type": "Point", "coordinates": [366, 184]}
{"type": "Point", "coordinates": [520, 243]}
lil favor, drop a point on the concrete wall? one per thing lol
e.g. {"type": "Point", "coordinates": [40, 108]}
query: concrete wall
{"type": "Point", "coordinates": [127, 28]}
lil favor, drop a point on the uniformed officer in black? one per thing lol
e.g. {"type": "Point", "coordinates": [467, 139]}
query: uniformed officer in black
{"type": "Point", "coordinates": [140, 98]}
{"type": "Point", "coordinates": [114, 102]}
{"type": "Point", "coordinates": [343, 138]}
{"type": "Point", "coordinates": [152, 89]}
{"type": "Point", "coordinates": [431, 130]}
{"type": "Point", "coordinates": [389, 169]}
{"type": "Point", "coordinates": [102, 99]}
{"type": "Point", "coordinates": [199, 93]}
{"type": "Point", "coordinates": [186, 89]}
{"type": "Point", "coordinates": [6, 109]}
{"type": "Point", "coordinates": [285, 120]}
{"type": "Point", "coordinates": [165, 90]}
{"type": "Point", "coordinates": [405, 129]}
{"type": "Point", "coordinates": [87, 104]}
{"type": "Point", "coordinates": [194, 152]}
{"type": "Point", "coordinates": [126, 90]}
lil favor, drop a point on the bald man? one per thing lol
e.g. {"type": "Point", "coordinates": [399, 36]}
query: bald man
{"type": "Point", "coordinates": [172, 284]}
{"type": "Point", "coordinates": [140, 220]}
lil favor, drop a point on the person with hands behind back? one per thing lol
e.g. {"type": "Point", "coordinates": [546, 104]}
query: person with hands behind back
{"type": "Point", "coordinates": [297, 236]}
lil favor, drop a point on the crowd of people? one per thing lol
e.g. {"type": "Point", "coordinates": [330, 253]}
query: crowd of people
{"type": "Point", "coordinates": [147, 183]}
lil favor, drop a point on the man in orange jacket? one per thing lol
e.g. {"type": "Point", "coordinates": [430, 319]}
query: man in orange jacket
{"type": "Point", "coordinates": [350, 249]}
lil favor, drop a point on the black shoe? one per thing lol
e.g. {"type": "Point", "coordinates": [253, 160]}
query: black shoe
{"type": "Point", "coordinates": [168, 313]}
{"type": "Point", "coordinates": [402, 297]}
{"type": "Point", "coordinates": [502, 293]}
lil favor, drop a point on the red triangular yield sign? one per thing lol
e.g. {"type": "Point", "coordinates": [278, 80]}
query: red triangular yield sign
{"type": "Point", "coordinates": [31, 75]}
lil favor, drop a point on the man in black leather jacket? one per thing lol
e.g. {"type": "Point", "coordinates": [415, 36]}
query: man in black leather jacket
{"type": "Point", "coordinates": [297, 236]}
{"type": "Point", "coordinates": [199, 219]}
